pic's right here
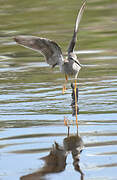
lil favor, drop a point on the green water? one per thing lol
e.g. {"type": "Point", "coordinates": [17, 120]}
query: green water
{"type": "Point", "coordinates": [32, 107]}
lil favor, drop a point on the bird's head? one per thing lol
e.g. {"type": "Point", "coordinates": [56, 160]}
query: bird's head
{"type": "Point", "coordinates": [72, 55]}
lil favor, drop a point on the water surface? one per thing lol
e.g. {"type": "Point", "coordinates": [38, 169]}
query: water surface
{"type": "Point", "coordinates": [32, 107]}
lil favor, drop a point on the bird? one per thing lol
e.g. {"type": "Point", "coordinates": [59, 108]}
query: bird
{"type": "Point", "coordinates": [52, 52]}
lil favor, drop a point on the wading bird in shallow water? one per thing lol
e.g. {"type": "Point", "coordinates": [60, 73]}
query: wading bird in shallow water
{"type": "Point", "coordinates": [53, 54]}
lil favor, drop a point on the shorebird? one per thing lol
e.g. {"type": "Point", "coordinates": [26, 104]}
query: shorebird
{"type": "Point", "coordinates": [70, 65]}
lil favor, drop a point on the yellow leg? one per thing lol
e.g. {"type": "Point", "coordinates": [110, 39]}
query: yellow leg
{"type": "Point", "coordinates": [76, 104]}
{"type": "Point", "coordinates": [64, 87]}
{"type": "Point", "coordinates": [65, 121]}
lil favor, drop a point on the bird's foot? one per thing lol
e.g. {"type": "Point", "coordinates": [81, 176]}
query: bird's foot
{"type": "Point", "coordinates": [66, 121]}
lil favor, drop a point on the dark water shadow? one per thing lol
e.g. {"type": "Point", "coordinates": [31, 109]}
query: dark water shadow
{"type": "Point", "coordinates": [55, 161]}
{"type": "Point", "coordinates": [73, 100]}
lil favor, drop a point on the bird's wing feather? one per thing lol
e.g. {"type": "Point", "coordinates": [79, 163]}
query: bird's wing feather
{"type": "Point", "coordinates": [46, 47]}
{"type": "Point", "coordinates": [74, 37]}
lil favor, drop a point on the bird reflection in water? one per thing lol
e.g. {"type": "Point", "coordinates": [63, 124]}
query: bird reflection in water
{"type": "Point", "coordinates": [55, 162]}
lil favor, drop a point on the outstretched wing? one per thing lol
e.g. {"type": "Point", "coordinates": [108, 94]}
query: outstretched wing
{"type": "Point", "coordinates": [74, 37]}
{"type": "Point", "coordinates": [46, 47]}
